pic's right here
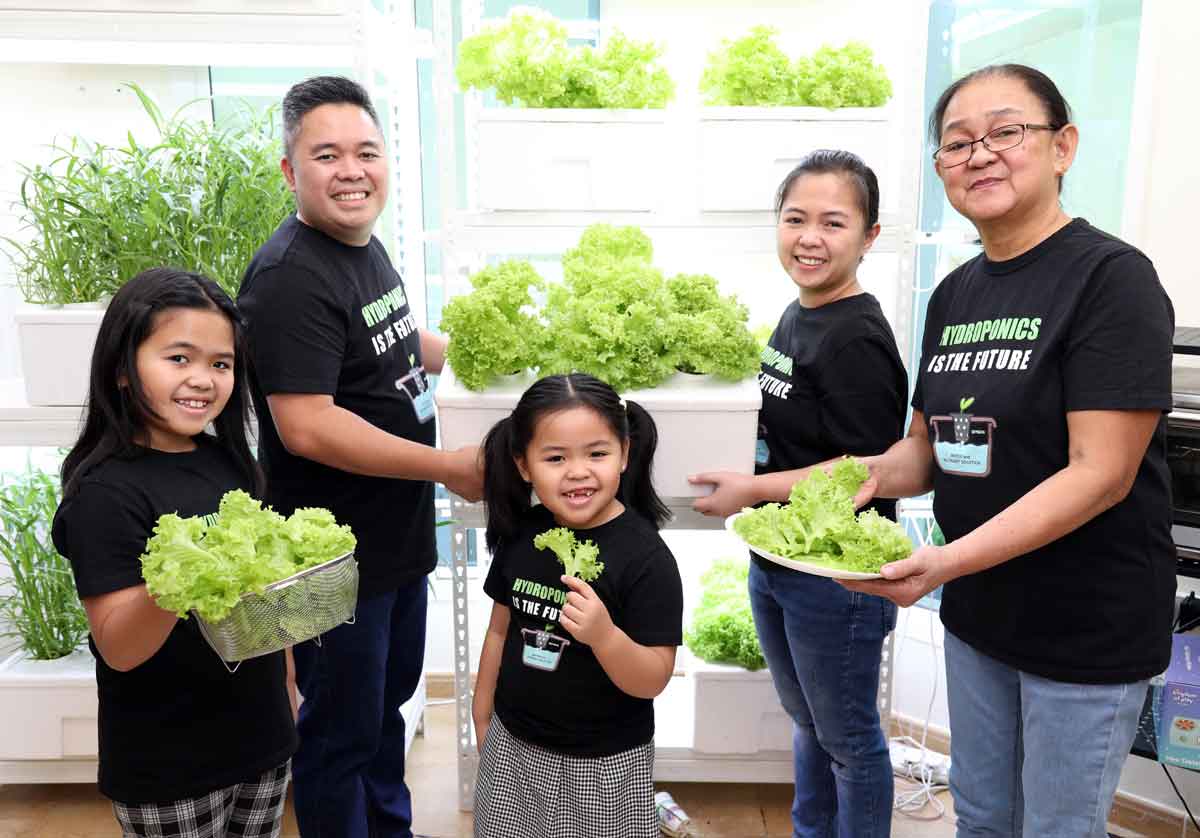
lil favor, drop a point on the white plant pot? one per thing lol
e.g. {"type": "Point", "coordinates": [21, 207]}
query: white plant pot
{"type": "Point", "coordinates": [738, 711]}
{"type": "Point", "coordinates": [49, 708]}
{"type": "Point", "coordinates": [745, 152]}
{"type": "Point", "coordinates": [704, 425]}
{"type": "Point", "coordinates": [56, 351]}
{"type": "Point", "coordinates": [571, 159]}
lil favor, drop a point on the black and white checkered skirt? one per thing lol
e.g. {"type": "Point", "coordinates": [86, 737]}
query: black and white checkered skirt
{"type": "Point", "coordinates": [526, 791]}
{"type": "Point", "coordinates": [251, 810]}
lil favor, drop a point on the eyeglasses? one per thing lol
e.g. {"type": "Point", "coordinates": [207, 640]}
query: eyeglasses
{"type": "Point", "coordinates": [998, 139]}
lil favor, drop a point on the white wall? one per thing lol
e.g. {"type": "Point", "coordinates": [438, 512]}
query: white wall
{"type": "Point", "coordinates": [44, 103]}
{"type": "Point", "coordinates": [1163, 179]}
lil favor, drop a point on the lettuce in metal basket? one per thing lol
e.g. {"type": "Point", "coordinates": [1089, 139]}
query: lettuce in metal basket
{"type": "Point", "coordinates": [190, 565]}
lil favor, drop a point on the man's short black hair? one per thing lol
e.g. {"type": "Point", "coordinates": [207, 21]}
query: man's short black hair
{"type": "Point", "coordinates": [311, 93]}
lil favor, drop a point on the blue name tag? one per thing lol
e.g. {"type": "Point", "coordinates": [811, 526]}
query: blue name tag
{"type": "Point", "coordinates": [423, 406]}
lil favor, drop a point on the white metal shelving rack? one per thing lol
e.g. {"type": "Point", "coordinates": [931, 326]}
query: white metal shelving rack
{"type": "Point", "coordinates": [378, 42]}
{"type": "Point", "coordinates": [465, 236]}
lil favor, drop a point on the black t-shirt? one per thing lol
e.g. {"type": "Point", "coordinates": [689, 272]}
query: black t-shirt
{"type": "Point", "coordinates": [180, 724]}
{"type": "Point", "coordinates": [1079, 322]}
{"type": "Point", "coordinates": [832, 383]}
{"type": "Point", "coordinates": [552, 691]}
{"type": "Point", "coordinates": [329, 318]}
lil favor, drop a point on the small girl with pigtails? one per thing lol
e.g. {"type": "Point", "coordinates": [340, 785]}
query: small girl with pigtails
{"type": "Point", "coordinates": [587, 616]}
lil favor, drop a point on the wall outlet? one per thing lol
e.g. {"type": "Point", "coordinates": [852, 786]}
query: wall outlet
{"type": "Point", "coordinates": [908, 761]}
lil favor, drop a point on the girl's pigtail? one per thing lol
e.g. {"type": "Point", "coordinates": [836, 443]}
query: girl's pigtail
{"type": "Point", "coordinates": [505, 492]}
{"type": "Point", "coordinates": [637, 489]}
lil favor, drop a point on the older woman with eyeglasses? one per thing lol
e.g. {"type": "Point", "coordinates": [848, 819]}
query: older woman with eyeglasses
{"type": "Point", "coordinates": [1038, 421]}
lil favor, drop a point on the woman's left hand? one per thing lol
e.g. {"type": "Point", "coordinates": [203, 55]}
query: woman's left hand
{"type": "Point", "coordinates": [732, 492]}
{"type": "Point", "coordinates": [584, 614]}
{"type": "Point", "coordinates": [906, 581]}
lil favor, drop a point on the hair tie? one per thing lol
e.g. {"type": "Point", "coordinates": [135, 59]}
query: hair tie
{"type": "Point", "coordinates": [622, 402]}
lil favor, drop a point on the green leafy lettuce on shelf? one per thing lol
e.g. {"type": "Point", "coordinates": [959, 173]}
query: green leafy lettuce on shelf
{"type": "Point", "coordinates": [528, 61]}
{"type": "Point", "coordinates": [751, 70]}
{"type": "Point", "coordinates": [708, 332]}
{"type": "Point", "coordinates": [722, 629]}
{"type": "Point", "coordinates": [842, 78]}
{"type": "Point", "coordinates": [494, 330]}
{"type": "Point", "coordinates": [192, 565]}
{"type": "Point", "coordinates": [614, 316]}
{"type": "Point", "coordinates": [609, 316]}
{"type": "Point", "coordinates": [754, 70]}
{"type": "Point", "coordinates": [818, 524]}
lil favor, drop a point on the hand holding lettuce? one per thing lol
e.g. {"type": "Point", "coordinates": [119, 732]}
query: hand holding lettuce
{"type": "Point", "coordinates": [189, 565]}
{"type": "Point", "coordinates": [818, 525]}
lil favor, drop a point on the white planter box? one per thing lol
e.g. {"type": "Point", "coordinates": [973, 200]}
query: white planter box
{"type": "Point", "coordinates": [703, 425]}
{"type": "Point", "coordinates": [542, 159]}
{"type": "Point", "coordinates": [56, 351]}
{"type": "Point", "coordinates": [49, 708]}
{"type": "Point", "coordinates": [746, 152]}
{"type": "Point", "coordinates": [738, 711]}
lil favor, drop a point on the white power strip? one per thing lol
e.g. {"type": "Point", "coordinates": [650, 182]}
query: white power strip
{"type": "Point", "coordinates": [907, 761]}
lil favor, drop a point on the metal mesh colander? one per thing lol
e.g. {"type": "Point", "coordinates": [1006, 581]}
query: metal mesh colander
{"type": "Point", "coordinates": [287, 612]}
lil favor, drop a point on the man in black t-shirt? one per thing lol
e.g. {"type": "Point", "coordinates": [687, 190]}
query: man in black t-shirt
{"type": "Point", "coordinates": [346, 422]}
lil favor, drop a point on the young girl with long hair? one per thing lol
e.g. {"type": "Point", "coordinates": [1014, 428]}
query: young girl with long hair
{"type": "Point", "coordinates": [186, 748]}
{"type": "Point", "coordinates": [563, 704]}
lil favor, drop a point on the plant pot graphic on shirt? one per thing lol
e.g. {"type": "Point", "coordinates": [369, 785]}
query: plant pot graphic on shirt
{"type": "Point", "coordinates": [962, 442]}
{"type": "Point", "coordinates": [542, 650]}
{"type": "Point", "coordinates": [415, 385]}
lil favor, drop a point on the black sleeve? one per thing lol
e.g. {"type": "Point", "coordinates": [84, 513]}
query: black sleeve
{"type": "Point", "coordinates": [1118, 350]}
{"type": "Point", "coordinates": [934, 321]}
{"type": "Point", "coordinates": [298, 330]}
{"type": "Point", "coordinates": [103, 532]}
{"type": "Point", "coordinates": [496, 585]}
{"type": "Point", "coordinates": [653, 601]}
{"type": "Point", "coordinates": [861, 406]}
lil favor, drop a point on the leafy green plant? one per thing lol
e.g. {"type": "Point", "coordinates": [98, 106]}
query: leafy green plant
{"type": "Point", "coordinates": [722, 629]}
{"type": "Point", "coordinates": [198, 197]}
{"type": "Point", "coordinates": [528, 61]}
{"type": "Point", "coordinates": [818, 524]}
{"type": "Point", "coordinates": [842, 78]}
{"type": "Point", "coordinates": [493, 330]}
{"type": "Point", "coordinates": [578, 558]}
{"type": "Point", "coordinates": [708, 332]}
{"type": "Point", "coordinates": [189, 564]}
{"type": "Point", "coordinates": [43, 609]}
{"type": "Point", "coordinates": [610, 315]}
{"type": "Point", "coordinates": [753, 70]}
{"type": "Point", "coordinates": [613, 316]}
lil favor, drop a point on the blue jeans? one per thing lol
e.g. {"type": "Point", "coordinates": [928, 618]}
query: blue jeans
{"type": "Point", "coordinates": [822, 644]}
{"type": "Point", "coordinates": [1030, 756]}
{"type": "Point", "coordinates": [348, 775]}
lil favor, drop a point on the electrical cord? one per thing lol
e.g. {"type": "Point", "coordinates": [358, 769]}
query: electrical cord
{"type": "Point", "coordinates": [909, 803]}
{"type": "Point", "coordinates": [1180, 796]}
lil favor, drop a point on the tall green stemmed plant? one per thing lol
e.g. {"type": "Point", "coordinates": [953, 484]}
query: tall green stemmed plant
{"type": "Point", "coordinates": [43, 609]}
{"type": "Point", "coordinates": [198, 197]}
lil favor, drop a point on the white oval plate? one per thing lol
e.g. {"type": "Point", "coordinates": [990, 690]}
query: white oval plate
{"type": "Point", "coordinates": [803, 567]}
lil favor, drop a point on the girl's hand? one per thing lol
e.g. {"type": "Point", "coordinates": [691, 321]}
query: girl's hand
{"type": "Point", "coordinates": [732, 492]}
{"type": "Point", "coordinates": [584, 614]}
{"type": "Point", "coordinates": [906, 581]}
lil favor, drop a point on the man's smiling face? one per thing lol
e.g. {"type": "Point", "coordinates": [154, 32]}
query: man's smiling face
{"type": "Point", "coordinates": [338, 171]}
